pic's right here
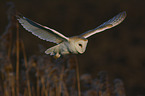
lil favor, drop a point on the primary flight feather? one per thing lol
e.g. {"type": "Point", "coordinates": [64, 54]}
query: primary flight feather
{"type": "Point", "coordinates": [66, 45]}
{"type": "Point", "coordinates": [41, 31]}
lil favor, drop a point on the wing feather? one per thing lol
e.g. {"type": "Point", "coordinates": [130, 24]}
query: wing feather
{"type": "Point", "coordinates": [107, 25]}
{"type": "Point", "coordinates": [41, 31]}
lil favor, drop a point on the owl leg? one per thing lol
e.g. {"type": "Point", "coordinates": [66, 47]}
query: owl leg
{"type": "Point", "coordinates": [57, 55]}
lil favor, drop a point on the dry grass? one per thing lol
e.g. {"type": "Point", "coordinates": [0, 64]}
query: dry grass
{"type": "Point", "coordinates": [43, 75]}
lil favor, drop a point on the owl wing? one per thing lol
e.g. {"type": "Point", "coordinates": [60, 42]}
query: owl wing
{"type": "Point", "coordinates": [41, 31]}
{"type": "Point", "coordinates": [107, 25]}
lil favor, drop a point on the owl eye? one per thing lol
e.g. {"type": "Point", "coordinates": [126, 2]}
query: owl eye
{"type": "Point", "coordinates": [80, 45]}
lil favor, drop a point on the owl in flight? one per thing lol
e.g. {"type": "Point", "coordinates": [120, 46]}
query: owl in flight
{"type": "Point", "coordinates": [66, 45]}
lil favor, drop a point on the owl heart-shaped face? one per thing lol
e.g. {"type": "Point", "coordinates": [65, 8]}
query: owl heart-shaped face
{"type": "Point", "coordinates": [78, 44]}
{"type": "Point", "coordinates": [81, 45]}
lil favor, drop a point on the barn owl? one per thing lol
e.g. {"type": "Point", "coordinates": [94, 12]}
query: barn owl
{"type": "Point", "coordinates": [66, 45]}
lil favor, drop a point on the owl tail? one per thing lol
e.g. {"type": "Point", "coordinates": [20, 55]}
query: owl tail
{"type": "Point", "coordinates": [53, 51]}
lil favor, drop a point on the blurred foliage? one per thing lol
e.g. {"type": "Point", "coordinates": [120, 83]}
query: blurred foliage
{"type": "Point", "coordinates": [119, 51]}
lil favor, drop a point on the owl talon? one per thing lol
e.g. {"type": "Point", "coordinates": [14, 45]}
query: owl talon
{"type": "Point", "coordinates": [57, 56]}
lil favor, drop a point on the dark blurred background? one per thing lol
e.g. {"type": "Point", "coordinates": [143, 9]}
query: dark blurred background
{"type": "Point", "coordinates": [120, 51]}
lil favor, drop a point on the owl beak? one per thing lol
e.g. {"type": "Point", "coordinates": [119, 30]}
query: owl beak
{"type": "Point", "coordinates": [82, 51]}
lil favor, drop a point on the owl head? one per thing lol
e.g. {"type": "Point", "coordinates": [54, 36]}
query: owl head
{"type": "Point", "coordinates": [78, 44]}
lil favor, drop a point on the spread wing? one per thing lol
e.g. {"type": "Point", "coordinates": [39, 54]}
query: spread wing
{"type": "Point", "coordinates": [41, 31]}
{"type": "Point", "coordinates": [107, 25]}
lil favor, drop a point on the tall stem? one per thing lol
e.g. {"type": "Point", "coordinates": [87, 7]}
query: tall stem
{"type": "Point", "coordinates": [17, 60]}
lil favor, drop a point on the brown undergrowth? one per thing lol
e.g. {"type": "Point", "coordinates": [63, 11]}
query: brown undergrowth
{"type": "Point", "coordinates": [43, 75]}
